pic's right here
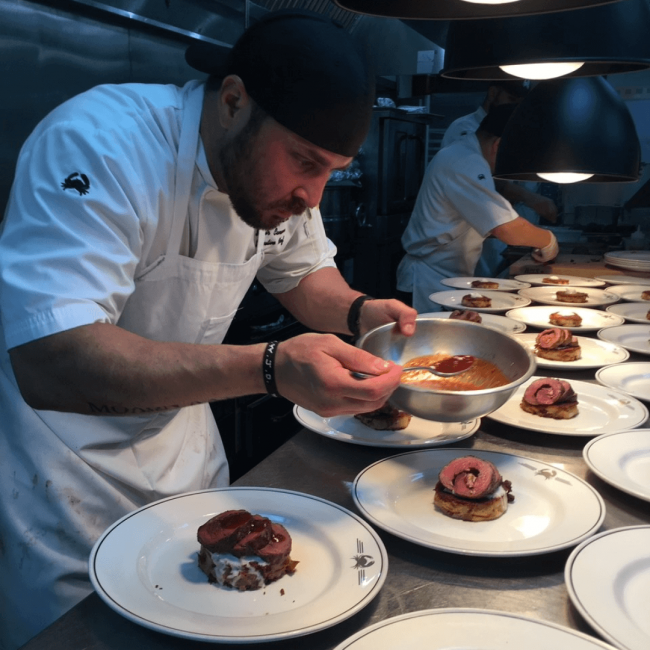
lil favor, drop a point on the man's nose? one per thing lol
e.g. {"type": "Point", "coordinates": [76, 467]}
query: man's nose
{"type": "Point", "coordinates": [311, 192]}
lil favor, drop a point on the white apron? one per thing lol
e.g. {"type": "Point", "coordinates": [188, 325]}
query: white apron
{"type": "Point", "coordinates": [66, 477]}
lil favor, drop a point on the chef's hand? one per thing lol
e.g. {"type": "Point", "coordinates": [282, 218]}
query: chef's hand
{"type": "Point", "coordinates": [313, 371]}
{"type": "Point", "coordinates": [544, 207]}
{"type": "Point", "coordinates": [379, 312]}
{"type": "Point", "coordinates": [548, 253]}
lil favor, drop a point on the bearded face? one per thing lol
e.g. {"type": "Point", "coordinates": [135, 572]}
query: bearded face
{"type": "Point", "coordinates": [245, 174]}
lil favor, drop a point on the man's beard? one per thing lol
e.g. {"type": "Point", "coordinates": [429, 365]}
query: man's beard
{"type": "Point", "coordinates": [241, 172]}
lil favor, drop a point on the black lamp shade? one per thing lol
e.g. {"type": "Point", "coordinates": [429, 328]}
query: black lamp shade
{"type": "Point", "coordinates": [578, 125]}
{"type": "Point", "coordinates": [608, 39]}
{"type": "Point", "coordinates": [460, 9]}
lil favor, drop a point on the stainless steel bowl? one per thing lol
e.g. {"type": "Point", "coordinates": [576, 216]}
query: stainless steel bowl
{"type": "Point", "coordinates": [435, 335]}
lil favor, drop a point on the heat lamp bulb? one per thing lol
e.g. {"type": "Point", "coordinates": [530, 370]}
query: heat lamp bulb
{"type": "Point", "coordinates": [541, 70]}
{"type": "Point", "coordinates": [564, 177]}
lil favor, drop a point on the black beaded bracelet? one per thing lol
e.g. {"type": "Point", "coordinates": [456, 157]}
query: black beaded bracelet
{"type": "Point", "coordinates": [355, 314]}
{"type": "Point", "coordinates": [268, 368]}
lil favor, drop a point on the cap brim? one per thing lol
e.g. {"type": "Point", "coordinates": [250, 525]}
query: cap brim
{"type": "Point", "coordinates": [207, 57]}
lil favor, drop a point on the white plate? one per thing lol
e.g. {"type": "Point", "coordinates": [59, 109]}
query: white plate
{"type": "Point", "coordinates": [623, 279]}
{"type": "Point", "coordinates": [553, 509]}
{"type": "Point", "coordinates": [629, 260]}
{"type": "Point", "coordinates": [594, 353]}
{"type": "Point", "coordinates": [635, 338]}
{"type": "Point", "coordinates": [622, 459]}
{"type": "Point", "coordinates": [494, 321]}
{"type": "Point", "coordinates": [465, 629]}
{"type": "Point", "coordinates": [608, 580]}
{"type": "Point", "coordinates": [592, 319]}
{"type": "Point", "coordinates": [635, 312]}
{"type": "Point", "coordinates": [600, 410]}
{"type": "Point", "coordinates": [630, 292]}
{"type": "Point", "coordinates": [419, 433]}
{"type": "Point", "coordinates": [501, 300]}
{"type": "Point", "coordinates": [145, 568]}
{"type": "Point", "coordinates": [537, 279]}
{"type": "Point", "coordinates": [632, 378]}
{"type": "Point", "coordinates": [466, 283]}
{"type": "Point", "coordinates": [546, 295]}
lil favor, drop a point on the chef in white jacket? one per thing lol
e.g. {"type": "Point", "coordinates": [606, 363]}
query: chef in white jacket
{"type": "Point", "coordinates": [456, 209]}
{"type": "Point", "coordinates": [524, 196]}
{"type": "Point", "coordinates": [139, 216]}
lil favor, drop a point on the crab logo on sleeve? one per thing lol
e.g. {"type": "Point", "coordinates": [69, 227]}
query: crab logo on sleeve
{"type": "Point", "coordinates": [77, 181]}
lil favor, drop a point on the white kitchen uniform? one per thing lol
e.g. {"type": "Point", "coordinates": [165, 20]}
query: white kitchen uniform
{"type": "Point", "coordinates": [456, 208]}
{"type": "Point", "coordinates": [493, 248]}
{"type": "Point", "coordinates": [114, 217]}
{"type": "Point", "coordinates": [462, 126]}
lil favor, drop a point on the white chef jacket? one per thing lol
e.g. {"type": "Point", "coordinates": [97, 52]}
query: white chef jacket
{"type": "Point", "coordinates": [114, 217]}
{"type": "Point", "coordinates": [462, 126]}
{"type": "Point", "coordinates": [456, 208]}
{"type": "Point", "coordinates": [491, 256]}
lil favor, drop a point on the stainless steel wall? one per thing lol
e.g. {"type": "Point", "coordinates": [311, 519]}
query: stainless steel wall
{"type": "Point", "coordinates": [49, 54]}
{"type": "Point", "coordinates": [51, 50]}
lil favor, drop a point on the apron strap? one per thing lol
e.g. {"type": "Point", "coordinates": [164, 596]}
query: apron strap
{"type": "Point", "coordinates": [187, 148]}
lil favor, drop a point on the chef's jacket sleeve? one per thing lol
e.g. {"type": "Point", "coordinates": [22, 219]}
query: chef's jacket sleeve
{"type": "Point", "coordinates": [305, 250]}
{"type": "Point", "coordinates": [470, 189]}
{"type": "Point", "coordinates": [71, 235]}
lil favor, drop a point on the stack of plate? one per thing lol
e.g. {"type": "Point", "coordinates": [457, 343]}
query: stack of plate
{"type": "Point", "coordinates": [630, 260]}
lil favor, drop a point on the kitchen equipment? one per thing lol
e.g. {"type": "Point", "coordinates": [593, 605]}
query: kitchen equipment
{"type": "Point", "coordinates": [435, 335]}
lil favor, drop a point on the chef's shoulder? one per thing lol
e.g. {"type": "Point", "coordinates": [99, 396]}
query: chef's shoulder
{"type": "Point", "coordinates": [147, 112]}
{"type": "Point", "coordinates": [459, 157]}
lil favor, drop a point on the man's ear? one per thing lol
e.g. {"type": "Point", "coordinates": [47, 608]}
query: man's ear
{"type": "Point", "coordinates": [233, 100]}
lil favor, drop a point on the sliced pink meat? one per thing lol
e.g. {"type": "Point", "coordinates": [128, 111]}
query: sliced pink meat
{"type": "Point", "coordinates": [470, 477]}
{"type": "Point", "coordinates": [549, 391]}
{"type": "Point", "coordinates": [552, 338]}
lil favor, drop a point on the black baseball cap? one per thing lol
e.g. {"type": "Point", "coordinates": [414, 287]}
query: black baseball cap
{"type": "Point", "coordinates": [497, 118]}
{"type": "Point", "coordinates": [305, 71]}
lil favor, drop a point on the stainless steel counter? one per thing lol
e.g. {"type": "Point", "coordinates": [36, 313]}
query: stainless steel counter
{"type": "Point", "coordinates": [418, 578]}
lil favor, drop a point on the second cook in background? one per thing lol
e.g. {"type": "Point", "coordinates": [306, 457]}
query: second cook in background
{"type": "Point", "coordinates": [457, 207]}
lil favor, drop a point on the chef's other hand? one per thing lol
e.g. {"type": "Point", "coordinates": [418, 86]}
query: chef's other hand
{"type": "Point", "coordinates": [313, 371]}
{"type": "Point", "coordinates": [544, 207]}
{"type": "Point", "coordinates": [379, 312]}
{"type": "Point", "coordinates": [548, 253]}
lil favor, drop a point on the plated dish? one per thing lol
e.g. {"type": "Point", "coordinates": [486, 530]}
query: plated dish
{"type": "Point", "coordinates": [622, 459]}
{"type": "Point", "coordinates": [635, 312]}
{"type": "Point", "coordinates": [631, 292]}
{"type": "Point", "coordinates": [501, 301]}
{"type": "Point", "coordinates": [592, 319]}
{"type": "Point", "coordinates": [623, 279]}
{"type": "Point", "coordinates": [546, 295]}
{"type": "Point", "coordinates": [145, 568]}
{"type": "Point", "coordinates": [495, 321]}
{"type": "Point", "coordinates": [631, 378]}
{"type": "Point", "coordinates": [479, 629]}
{"type": "Point", "coordinates": [635, 338]}
{"type": "Point", "coordinates": [537, 279]}
{"type": "Point", "coordinates": [419, 432]}
{"type": "Point", "coordinates": [594, 354]}
{"type": "Point", "coordinates": [613, 599]}
{"type": "Point", "coordinates": [600, 410]}
{"type": "Point", "coordinates": [553, 509]}
{"type": "Point", "coordinates": [505, 284]}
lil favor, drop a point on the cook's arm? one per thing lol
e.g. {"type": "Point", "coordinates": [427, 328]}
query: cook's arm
{"type": "Point", "coordinates": [520, 232]}
{"type": "Point", "coordinates": [322, 301]}
{"type": "Point", "coordinates": [101, 369]}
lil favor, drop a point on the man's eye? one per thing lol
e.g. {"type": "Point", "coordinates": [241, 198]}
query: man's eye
{"type": "Point", "coordinates": [305, 163]}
